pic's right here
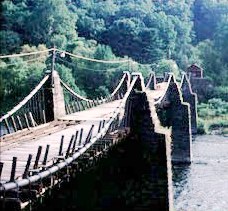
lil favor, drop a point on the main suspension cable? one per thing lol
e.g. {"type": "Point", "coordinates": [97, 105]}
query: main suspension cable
{"type": "Point", "coordinates": [93, 60]}
{"type": "Point", "coordinates": [26, 54]}
{"type": "Point", "coordinates": [68, 53]}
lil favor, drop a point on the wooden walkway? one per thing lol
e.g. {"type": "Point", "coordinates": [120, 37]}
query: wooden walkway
{"type": "Point", "coordinates": [21, 147]}
{"type": "Point", "coordinates": [21, 144]}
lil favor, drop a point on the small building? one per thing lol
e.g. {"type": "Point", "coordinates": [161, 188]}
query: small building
{"type": "Point", "coordinates": [195, 71]}
{"type": "Point", "coordinates": [203, 87]}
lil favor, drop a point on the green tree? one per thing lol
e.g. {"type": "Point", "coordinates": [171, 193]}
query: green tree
{"type": "Point", "coordinates": [10, 41]}
{"type": "Point", "coordinates": [51, 23]}
{"type": "Point", "coordinates": [166, 66]}
{"type": "Point", "coordinates": [207, 15]}
{"type": "Point", "coordinates": [19, 76]}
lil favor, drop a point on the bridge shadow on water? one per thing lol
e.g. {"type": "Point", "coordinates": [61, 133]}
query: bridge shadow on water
{"type": "Point", "coordinates": [123, 179]}
{"type": "Point", "coordinates": [180, 178]}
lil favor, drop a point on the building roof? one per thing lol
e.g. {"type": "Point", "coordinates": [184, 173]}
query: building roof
{"type": "Point", "coordinates": [194, 67]}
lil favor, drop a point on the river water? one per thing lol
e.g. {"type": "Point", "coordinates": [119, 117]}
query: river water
{"type": "Point", "coordinates": [203, 186]}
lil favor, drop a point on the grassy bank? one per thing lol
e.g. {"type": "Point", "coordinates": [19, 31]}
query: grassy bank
{"type": "Point", "coordinates": [213, 117]}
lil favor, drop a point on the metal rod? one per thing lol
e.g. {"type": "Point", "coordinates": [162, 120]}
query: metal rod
{"type": "Point", "coordinates": [67, 110]}
{"type": "Point", "coordinates": [89, 134]}
{"type": "Point", "coordinates": [118, 96]}
{"type": "Point", "coordinates": [102, 100]}
{"type": "Point", "coordinates": [79, 108]}
{"type": "Point", "coordinates": [19, 122]}
{"type": "Point", "coordinates": [61, 146]}
{"type": "Point", "coordinates": [94, 103]}
{"type": "Point", "coordinates": [33, 106]}
{"type": "Point", "coordinates": [69, 146]}
{"type": "Point", "coordinates": [43, 105]}
{"type": "Point", "coordinates": [46, 155]}
{"type": "Point", "coordinates": [70, 110]}
{"type": "Point", "coordinates": [1, 167]}
{"type": "Point", "coordinates": [7, 125]}
{"type": "Point", "coordinates": [80, 139]}
{"type": "Point", "coordinates": [99, 128]}
{"type": "Point", "coordinates": [32, 119]}
{"type": "Point", "coordinates": [14, 124]}
{"type": "Point", "coordinates": [26, 120]}
{"type": "Point", "coordinates": [88, 104]}
{"type": "Point", "coordinates": [83, 107]}
{"type": "Point", "coordinates": [72, 107]}
{"type": "Point", "coordinates": [44, 116]}
{"type": "Point", "coordinates": [39, 107]}
{"type": "Point", "coordinates": [37, 157]}
{"type": "Point", "coordinates": [25, 175]}
{"type": "Point", "coordinates": [98, 101]}
{"type": "Point", "coordinates": [75, 141]}
{"type": "Point", "coordinates": [75, 105]}
{"type": "Point", "coordinates": [117, 121]}
{"type": "Point", "coordinates": [111, 127]}
{"type": "Point", "coordinates": [13, 170]}
{"type": "Point", "coordinates": [103, 123]}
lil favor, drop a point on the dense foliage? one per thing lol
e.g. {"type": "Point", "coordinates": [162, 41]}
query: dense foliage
{"type": "Point", "coordinates": [162, 35]}
{"type": "Point", "coordinates": [213, 116]}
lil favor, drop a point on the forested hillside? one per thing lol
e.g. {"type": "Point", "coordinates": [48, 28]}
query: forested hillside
{"type": "Point", "coordinates": [162, 35]}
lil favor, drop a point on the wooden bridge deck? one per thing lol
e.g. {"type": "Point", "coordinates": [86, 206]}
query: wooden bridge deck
{"type": "Point", "coordinates": [22, 148]}
{"type": "Point", "coordinates": [100, 112]}
{"type": "Point", "coordinates": [159, 91]}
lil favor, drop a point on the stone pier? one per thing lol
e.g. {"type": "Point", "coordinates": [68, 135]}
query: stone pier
{"type": "Point", "coordinates": [191, 98]}
{"type": "Point", "coordinates": [174, 113]}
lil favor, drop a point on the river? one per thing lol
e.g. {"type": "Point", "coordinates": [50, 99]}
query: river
{"type": "Point", "coordinates": [203, 186]}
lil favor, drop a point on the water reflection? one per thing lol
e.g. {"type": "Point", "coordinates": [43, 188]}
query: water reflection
{"type": "Point", "coordinates": [180, 178]}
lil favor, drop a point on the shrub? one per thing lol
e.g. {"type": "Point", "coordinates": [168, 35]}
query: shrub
{"type": "Point", "coordinates": [201, 127]}
{"type": "Point", "coordinates": [221, 92]}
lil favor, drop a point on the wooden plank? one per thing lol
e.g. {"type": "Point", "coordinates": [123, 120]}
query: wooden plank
{"type": "Point", "coordinates": [26, 145]}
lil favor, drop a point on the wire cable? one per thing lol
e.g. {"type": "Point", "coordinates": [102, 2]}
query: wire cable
{"type": "Point", "coordinates": [29, 60]}
{"type": "Point", "coordinates": [86, 68]}
{"type": "Point", "coordinates": [26, 99]}
{"type": "Point", "coordinates": [93, 60]}
{"type": "Point", "coordinates": [26, 54]}
{"type": "Point", "coordinates": [68, 53]}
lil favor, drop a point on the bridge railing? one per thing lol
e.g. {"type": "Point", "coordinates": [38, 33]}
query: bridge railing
{"type": "Point", "coordinates": [28, 113]}
{"type": "Point", "coordinates": [75, 102]}
{"type": "Point", "coordinates": [105, 127]}
{"type": "Point", "coordinates": [31, 111]}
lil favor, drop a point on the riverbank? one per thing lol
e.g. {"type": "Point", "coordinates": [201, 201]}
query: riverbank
{"type": "Point", "coordinates": [213, 117]}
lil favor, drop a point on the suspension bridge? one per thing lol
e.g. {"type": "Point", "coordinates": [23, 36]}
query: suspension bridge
{"type": "Point", "coordinates": [55, 133]}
